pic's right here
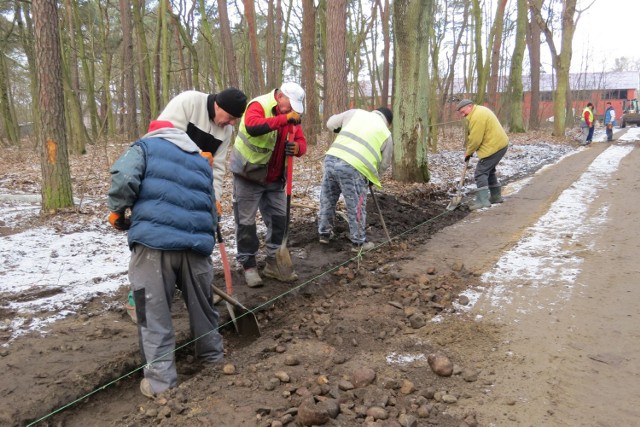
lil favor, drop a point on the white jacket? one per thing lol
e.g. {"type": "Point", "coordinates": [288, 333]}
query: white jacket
{"type": "Point", "coordinates": [190, 112]}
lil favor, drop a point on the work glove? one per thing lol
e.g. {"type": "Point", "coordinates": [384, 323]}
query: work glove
{"type": "Point", "coordinates": [293, 118]}
{"type": "Point", "coordinates": [119, 222]}
{"type": "Point", "coordinates": [467, 158]}
{"type": "Point", "coordinates": [292, 149]}
{"type": "Point", "coordinates": [207, 155]}
{"type": "Point", "coordinates": [218, 209]}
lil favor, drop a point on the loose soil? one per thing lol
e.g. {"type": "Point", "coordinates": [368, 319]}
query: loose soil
{"type": "Point", "coordinates": [347, 344]}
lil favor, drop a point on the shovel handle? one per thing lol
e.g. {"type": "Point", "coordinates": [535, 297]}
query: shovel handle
{"type": "Point", "coordinates": [229, 299]}
{"type": "Point", "coordinates": [292, 131]}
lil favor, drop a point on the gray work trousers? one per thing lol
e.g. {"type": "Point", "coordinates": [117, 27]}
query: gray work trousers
{"type": "Point", "coordinates": [271, 200]}
{"type": "Point", "coordinates": [154, 275]}
{"type": "Point", "coordinates": [485, 174]}
{"type": "Point", "coordinates": [341, 178]}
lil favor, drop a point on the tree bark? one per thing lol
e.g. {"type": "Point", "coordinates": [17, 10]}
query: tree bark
{"type": "Point", "coordinates": [515, 78]}
{"type": "Point", "coordinates": [128, 72]}
{"type": "Point", "coordinates": [336, 90]}
{"type": "Point", "coordinates": [255, 64]}
{"type": "Point", "coordinates": [533, 44]}
{"type": "Point", "coordinates": [411, 20]}
{"type": "Point", "coordinates": [227, 45]}
{"type": "Point", "coordinates": [56, 179]}
{"type": "Point", "coordinates": [312, 120]}
{"type": "Point", "coordinates": [561, 60]}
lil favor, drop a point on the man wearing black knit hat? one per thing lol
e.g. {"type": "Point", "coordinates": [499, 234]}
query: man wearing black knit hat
{"type": "Point", "coordinates": [358, 157]}
{"type": "Point", "coordinates": [208, 120]}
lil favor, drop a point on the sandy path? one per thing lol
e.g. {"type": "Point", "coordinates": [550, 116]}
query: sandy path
{"type": "Point", "coordinates": [559, 262]}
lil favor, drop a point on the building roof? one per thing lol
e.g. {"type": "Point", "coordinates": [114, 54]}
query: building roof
{"type": "Point", "coordinates": [578, 81]}
{"type": "Point", "coordinates": [590, 81]}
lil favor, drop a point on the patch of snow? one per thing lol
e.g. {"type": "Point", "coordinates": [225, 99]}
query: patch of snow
{"type": "Point", "coordinates": [546, 256]}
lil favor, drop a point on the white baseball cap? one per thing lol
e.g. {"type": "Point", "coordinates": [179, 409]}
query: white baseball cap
{"type": "Point", "coordinates": [295, 93]}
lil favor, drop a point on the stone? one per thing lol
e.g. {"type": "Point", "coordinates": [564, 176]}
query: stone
{"type": "Point", "coordinates": [362, 377]}
{"type": "Point", "coordinates": [440, 364]}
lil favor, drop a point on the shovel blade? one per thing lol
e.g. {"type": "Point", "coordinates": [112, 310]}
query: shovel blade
{"type": "Point", "coordinates": [283, 260]}
{"type": "Point", "coordinates": [247, 324]}
{"type": "Point", "coordinates": [454, 203]}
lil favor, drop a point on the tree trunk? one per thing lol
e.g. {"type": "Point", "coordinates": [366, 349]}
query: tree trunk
{"type": "Point", "coordinates": [411, 20]}
{"type": "Point", "coordinates": [148, 101]}
{"type": "Point", "coordinates": [533, 44]}
{"type": "Point", "coordinates": [515, 79]}
{"type": "Point", "coordinates": [214, 75]}
{"type": "Point", "coordinates": [9, 120]}
{"type": "Point", "coordinates": [336, 90]}
{"type": "Point", "coordinates": [255, 64]}
{"type": "Point", "coordinates": [386, 39]}
{"type": "Point", "coordinates": [88, 74]}
{"type": "Point", "coordinates": [227, 45]}
{"type": "Point", "coordinates": [25, 31]}
{"type": "Point", "coordinates": [312, 122]}
{"type": "Point", "coordinates": [494, 74]}
{"type": "Point", "coordinates": [56, 179]}
{"type": "Point", "coordinates": [561, 61]}
{"type": "Point", "coordinates": [128, 72]}
{"type": "Point", "coordinates": [107, 118]}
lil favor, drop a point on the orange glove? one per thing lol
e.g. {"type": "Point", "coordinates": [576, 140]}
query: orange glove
{"type": "Point", "coordinates": [218, 208]}
{"type": "Point", "coordinates": [293, 117]}
{"type": "Point", "coordinates": [119, 222]}
{"type": "Point", "coordinates": [207, 155]}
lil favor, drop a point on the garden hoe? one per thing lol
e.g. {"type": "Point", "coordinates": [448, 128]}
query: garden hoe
{"type": "Point", "coordinates": [283, 257]}
{"type": "Point", "coordinates": [457, 199]}
{"type": "Point", "coordinates": [244, 320]}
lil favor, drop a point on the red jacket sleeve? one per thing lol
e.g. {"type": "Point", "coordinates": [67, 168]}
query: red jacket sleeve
{"type": "Point", "coordinates": [257, 124]}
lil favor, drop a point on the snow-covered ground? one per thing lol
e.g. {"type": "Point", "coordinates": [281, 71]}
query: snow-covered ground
{"type": "Point", "coordinates": [62, 270]}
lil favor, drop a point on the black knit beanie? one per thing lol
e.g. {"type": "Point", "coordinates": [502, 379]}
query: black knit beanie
{"type": "Point", "coordinates": [386, 113]}
{"type": "Point", "coordinates": [233, 101]}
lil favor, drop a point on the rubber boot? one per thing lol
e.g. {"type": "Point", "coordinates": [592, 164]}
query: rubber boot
{"type": "Point", "coordinates": [482, 199]}
{"type": "Point", "coordinates": [496, 195]}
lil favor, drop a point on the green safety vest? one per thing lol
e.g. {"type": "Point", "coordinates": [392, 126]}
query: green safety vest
{"type": "Point", "coordinates": [359, 144]}
{"type": "Point", "coordinates": [257, 149]}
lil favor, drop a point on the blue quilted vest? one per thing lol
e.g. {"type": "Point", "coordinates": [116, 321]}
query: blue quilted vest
{"type": "Point", "coordinates": [174, 210]}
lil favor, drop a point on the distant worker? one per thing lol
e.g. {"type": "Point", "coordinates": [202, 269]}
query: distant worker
{"type": "Point", "coordinates": [587, 124]}
{"type": "Point", "coordinates": [609, 120]}
{"type": "Point", "coordinates": [360, 154]}
{"type": "Point", "coordinates": [487, 138]}
{"type": "Point", "coordinates": [258, 163]}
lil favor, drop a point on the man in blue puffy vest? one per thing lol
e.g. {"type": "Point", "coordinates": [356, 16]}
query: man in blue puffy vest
{"type": "Point", "coordinates": [168, 186]}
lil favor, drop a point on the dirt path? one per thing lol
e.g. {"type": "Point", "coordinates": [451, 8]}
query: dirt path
{"type": "Point", "coordinates": [568, 352]}
{"type": "Point", "coordinates": [549, 336]}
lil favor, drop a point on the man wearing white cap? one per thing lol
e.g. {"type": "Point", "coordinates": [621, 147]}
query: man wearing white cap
{"type": "Point", "coordinates": [257, 163]}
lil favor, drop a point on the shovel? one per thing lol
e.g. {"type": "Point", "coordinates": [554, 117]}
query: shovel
{"type": "Point", "coordinates": [227, 277]}
{"type": "Point", "coordinates": [456, 200]}
{"type": "Point", "coordinates": [283, 257]}
{"type": "Point", "coordinates": [246, 322]}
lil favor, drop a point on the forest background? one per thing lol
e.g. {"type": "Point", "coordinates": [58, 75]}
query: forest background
{"type": "Point", "coordinates": [75, 73]}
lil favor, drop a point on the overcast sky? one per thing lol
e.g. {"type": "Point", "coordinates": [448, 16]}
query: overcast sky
{"type": "Point", "coordinates": [605, 31]}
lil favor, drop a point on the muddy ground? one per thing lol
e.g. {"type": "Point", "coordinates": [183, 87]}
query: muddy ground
{"type": "Point", "coordinates": [346, 345]}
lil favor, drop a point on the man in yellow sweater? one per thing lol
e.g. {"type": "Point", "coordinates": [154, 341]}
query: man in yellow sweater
{"type": "Point", "coordinates": [487, 138]}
